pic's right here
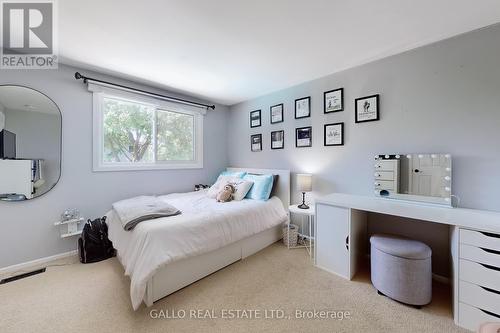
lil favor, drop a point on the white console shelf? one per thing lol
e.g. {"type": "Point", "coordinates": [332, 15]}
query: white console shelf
{"type": "Point", "coordinates": [71, 227]}
{"type": "Point", "coordinates": [341, 238]}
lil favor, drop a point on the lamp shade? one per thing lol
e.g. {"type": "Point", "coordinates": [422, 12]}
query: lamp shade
{"type": "Point", "coordinates": [304, 182]}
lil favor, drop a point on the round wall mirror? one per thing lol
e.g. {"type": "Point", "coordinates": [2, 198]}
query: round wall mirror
{"type": "Point", "coordinates": [30, 143]}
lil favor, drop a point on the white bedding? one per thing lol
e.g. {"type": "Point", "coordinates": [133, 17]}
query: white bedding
{"type": "Point", "coordinates": [204, 225]}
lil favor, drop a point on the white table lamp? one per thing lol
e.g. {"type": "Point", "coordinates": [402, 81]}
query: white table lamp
{"type": "Point", "coordinates": [304, 184]}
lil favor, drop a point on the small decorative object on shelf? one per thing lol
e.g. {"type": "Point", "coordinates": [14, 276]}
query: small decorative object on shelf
{"type": "Point", "coordinates": [70, 219]}
{"type": "Point", "coordinates": [70, 214]}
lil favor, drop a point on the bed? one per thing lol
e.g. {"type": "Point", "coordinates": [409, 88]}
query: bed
{"type": "Point", "coordinates": [164, 255]}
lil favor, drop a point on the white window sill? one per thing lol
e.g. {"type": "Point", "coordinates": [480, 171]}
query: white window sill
{"type": "Point", "coordinates": [145, 167]}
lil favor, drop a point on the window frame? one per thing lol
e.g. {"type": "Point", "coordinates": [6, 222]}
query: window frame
{"type": "Point", "coordinates": [101, 92]}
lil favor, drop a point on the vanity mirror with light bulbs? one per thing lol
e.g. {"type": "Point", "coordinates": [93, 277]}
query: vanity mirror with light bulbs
{"type": "Point", "coordinates": [414, 177]}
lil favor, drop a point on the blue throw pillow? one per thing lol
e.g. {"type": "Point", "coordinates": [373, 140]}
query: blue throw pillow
{"type": "Point", "coordinates": [236, 174]}
{"type": "Point", "coordinates": [261, 188]}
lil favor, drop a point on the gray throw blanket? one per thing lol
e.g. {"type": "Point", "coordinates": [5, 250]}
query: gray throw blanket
{"type": "Point", "coordinates": [135, 210]}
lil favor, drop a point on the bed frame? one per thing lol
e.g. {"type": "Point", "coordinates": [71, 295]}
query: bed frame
{"type": "Point", "coordinates": [182, 273]}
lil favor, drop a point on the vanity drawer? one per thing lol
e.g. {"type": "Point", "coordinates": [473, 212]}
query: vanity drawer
{"type": "Point", "coordinates": [477, 254]}
{"type": "Point", "coordinates": [473, 272]}
{"type": "Point", "coordinates": [384, 175]}
{"type": "Point", "coordinates": [480, 239]}
{"type": "Point", "coordinates": [385, 165]}
{"type": "Point", "coordinates": [479, 297]}
{"type": "Point", "coordinates": [385, 185]}
{"type": "Point", "coordinates": [471, 317]}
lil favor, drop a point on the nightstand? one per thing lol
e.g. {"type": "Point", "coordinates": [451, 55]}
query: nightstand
{"type": "Point", "coordinates": [305, 214]}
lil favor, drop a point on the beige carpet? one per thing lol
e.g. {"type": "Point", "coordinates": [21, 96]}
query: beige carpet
{"type": "Point", "coordinates": [95, 298]}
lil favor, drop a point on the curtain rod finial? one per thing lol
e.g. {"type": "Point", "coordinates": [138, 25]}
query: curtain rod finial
{"type": "Point", "coordinates": [78, 76]}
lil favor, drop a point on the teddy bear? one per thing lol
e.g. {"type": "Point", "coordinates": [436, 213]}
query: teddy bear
{"type": "Point", "coordinates": [226, 194]}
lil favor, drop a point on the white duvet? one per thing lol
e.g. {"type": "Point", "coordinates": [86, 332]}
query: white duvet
{"type": "Point", "coordinates": [204, 225]}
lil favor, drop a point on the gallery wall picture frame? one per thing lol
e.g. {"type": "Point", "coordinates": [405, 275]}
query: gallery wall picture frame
{"type": "Point", "coordinates": [303, 107]}
{"type": "Point", "coordinates": [255, 119]}
{"type": "Point", "coordinates": [333, 100]}
{"type": "Point", "coordinates": [276, 113]}
{"type": "Point", "coordinates": [303, 137]}
{"type": "Point", "coordinates": [367, 108]}
{"type": "Point", "coordinates": [334, 134]}
{"type": "Point", "coordinates": [256, 142]}
{"type": "Point", "coordinates": [278, 139]}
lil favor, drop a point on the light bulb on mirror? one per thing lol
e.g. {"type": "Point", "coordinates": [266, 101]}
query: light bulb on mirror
{"type": "Point", "coordinates": [408, 156]}
{"type": "Point", "coordinates": [447, 155]}
{"type": "Point", "coordinates": [398, 156]}
{"type": "Point", "coordinates": [420, 156]}
{"type": "Point", "coordinates": [447, 189]}
{"type": "Point", "coordinates": [387, 156]}
{"type": "Point", "coordinates": [448, 178]}
{"type": "Point", "coordinates": [433, 156]}
{"type": "Point", "coordinates": [448, 169]}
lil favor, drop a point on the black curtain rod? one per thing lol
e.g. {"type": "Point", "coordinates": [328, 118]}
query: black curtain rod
{"type": "Point", "coordinates": [79, 76]}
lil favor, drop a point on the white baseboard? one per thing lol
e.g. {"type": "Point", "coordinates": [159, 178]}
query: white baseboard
{"type": "Point", "coordinates": [37, 263]}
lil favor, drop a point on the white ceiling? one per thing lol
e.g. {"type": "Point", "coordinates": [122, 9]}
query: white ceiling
{"type": "Point", "coordinates": [229, 51]}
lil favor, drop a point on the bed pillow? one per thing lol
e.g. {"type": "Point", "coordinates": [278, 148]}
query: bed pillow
{"type": "Point", "coordinates": [219, 185]}
{"type": "Point", "coordinates": [241, 186]}
{"type": "Point", "coordinates": [262, 186]}
{"type": "Point", "coordinates": [236, 174]}
{"type": "Point", "coordinates": [275, 185]}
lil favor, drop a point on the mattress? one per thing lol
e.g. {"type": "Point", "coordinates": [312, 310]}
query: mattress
{"type": "Point", "coordinates": [204, 225]}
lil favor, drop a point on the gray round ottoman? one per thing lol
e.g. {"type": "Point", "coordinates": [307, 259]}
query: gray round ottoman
{"type": "Point", "coordinates": [401, 269]}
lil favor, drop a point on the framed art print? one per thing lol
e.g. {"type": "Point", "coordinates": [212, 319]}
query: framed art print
{"type": "Point", "coordinates": [256, 142]}
{"type": "Point", "coordinates": [255, 119]}
{"type": "Point", "coordinates": [334, 134]}
{"type": "Point", "coordinates": [276, 112]}
{"type": "Point", "coordinates": [367, 108]}
{"type": "Point", "coordinates": [277, 139]}
{"type": "Point", "coordinates": [334, 100]}
{"type": "Point", "coordinates": [303, 137]}
{"type": "Point", "coordinates": [303, 107]}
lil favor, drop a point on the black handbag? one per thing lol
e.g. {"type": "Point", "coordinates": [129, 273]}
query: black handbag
{"type": "Point", "coordinates": [94, 244]}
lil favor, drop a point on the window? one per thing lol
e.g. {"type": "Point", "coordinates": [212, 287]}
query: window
{"type": "Point", "coordinates": [134, 132]}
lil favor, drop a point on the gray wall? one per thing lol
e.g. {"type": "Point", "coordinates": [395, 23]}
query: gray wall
{"type": "Point", "coordinates": [2, 109]}
{"type": "Point", "coordinates": [439, 98]}
{"type": "Point", "coordinates": [38, 136]}
{"type": "Point", "coordinates": [27, 228]}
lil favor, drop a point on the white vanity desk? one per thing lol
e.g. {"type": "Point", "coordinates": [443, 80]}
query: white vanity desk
{"type": "Point", "coordinates": [341, 240]}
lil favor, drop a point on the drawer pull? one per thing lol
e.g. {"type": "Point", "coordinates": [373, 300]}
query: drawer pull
{"type": "Point", "coordinates": [490, 251]}
{"type": "Point", "coordinates": [490, 313]}
{"type": "Point", "coordinates": [489, 234]}
{"type": "Point", "coordinates": [490, 267]}
{"type": "Point", "coordinates": [491, 290]}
